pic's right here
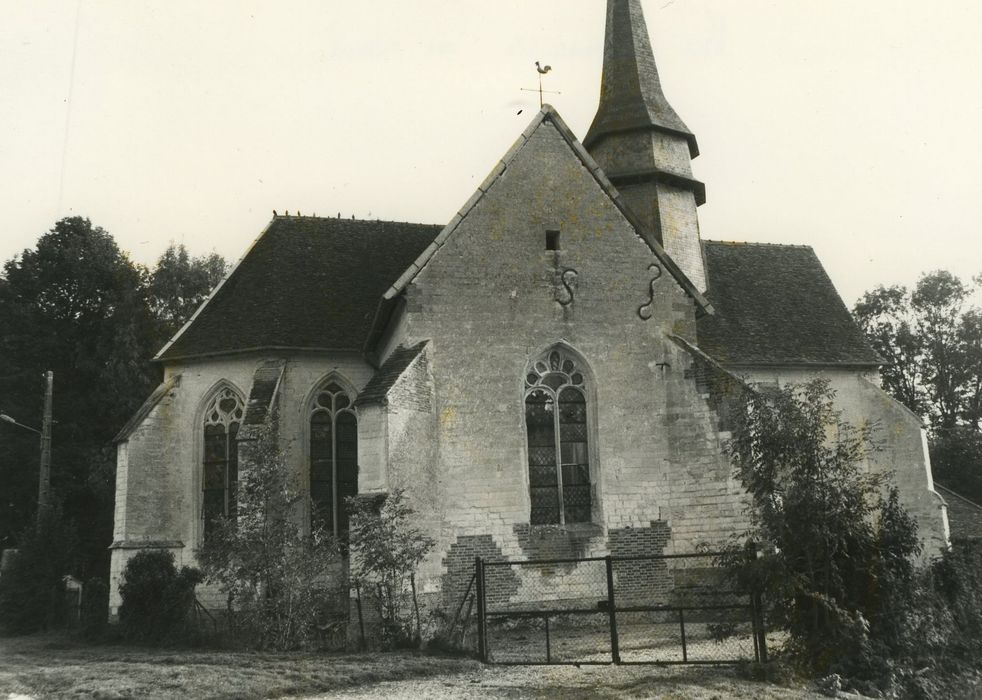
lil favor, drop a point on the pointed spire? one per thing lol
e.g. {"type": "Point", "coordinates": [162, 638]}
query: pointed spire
{"type": "Point", "coordinates": [631, 96]}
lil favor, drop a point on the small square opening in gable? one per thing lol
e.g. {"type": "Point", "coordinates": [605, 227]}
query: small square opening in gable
{"type": "Point", "coordinates": [552, 240]}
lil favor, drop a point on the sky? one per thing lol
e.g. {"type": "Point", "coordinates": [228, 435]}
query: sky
{"type": "Point", "coordinates": [853, 127]}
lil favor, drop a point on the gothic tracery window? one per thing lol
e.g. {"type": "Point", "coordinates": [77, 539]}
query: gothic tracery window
{"type": "Point", "coordinates": [333, 458]}
{"type": "Point", "coordinates": [558, 442]}
{"type": "Point", "coordinates": [220, 464]}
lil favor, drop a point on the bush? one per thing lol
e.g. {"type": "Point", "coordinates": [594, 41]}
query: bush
{"type": "Point", "coordinates": [283, 587]}
{"type": "Point", "coordinates": [157, 598]}
{"type": "Point", "coordinates": [386, 550]}
{"type": "Point", "coordinates": [94, 617]}
{"type": "Point", "coordinates": [842, 564]}
{"type": "Point", "coordinates": [32, 589]}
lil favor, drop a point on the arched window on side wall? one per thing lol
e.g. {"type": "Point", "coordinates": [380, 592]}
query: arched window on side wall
{"type": "Point", "coordinates": [220, 464]}
{"type": "Point", "coordinates": [333, 458]}
{"type": "Point", "coordinates": [558, 442]}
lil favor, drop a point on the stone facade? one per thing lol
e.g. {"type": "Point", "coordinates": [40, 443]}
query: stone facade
{"type": "Point", "coordinates": [547, 263]}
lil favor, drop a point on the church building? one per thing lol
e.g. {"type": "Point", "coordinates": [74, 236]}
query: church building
{"type": "Point", "coordinates": [533, 373]}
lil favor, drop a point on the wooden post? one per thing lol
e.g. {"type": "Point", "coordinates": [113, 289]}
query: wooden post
{"type": "Point", "coordinates": [44, 479]}
{"type": "Point", "coordinates": [757, 611]}
{"type": "Point", "coordinates": [482, 641]}
{"type": "Point", "coordinates": [615, 650]}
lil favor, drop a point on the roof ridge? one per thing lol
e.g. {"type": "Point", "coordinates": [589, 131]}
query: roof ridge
{"type": "Point", "coordinates": [759, 244]}
{"type": "Point", "coordinates": [349, 220]}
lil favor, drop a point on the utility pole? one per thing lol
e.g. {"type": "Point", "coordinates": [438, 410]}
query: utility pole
{"type": "Point", "coordinates": [44, 482]}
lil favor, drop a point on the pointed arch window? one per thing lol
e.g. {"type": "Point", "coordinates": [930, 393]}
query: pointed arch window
{"type": "Point", "coordinates": [333, 458]}
{"type": "Point", "coordinates": [558, 441]}
{"type": "Point", "coordinates": [220, 463]}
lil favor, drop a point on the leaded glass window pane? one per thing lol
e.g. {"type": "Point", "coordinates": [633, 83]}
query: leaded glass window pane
{"type": "Point", "coordinates": [220, 457]}
{"type": "Point", "coordinates": [556, 425]}
{"type": "Point", "coordinates": [333, 458]}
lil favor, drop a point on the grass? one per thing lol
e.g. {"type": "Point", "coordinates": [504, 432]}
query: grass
{"type": "Point", "coordinates": [58, 667]}
{"type": "Point", "coordinates": [49, 666]}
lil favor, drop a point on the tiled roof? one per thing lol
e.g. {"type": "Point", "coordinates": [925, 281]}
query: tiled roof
{"type": "Point", "coordinates": [776, 305]}
{"type": "Point", "coordinates": [964, 516]}
{"type": "Point", "coordinates": [387, 375]}
{"type": "Point", "coordinates": [306, 283]}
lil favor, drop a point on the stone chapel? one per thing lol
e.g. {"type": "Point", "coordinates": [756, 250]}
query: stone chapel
{"type": "Point", "coordinates": [532, 373]}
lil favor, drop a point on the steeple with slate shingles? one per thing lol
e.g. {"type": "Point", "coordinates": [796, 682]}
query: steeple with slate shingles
{"type": "Point", "coordinates": [642, 144]}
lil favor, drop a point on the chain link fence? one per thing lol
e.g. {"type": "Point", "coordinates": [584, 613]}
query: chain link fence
{"type": "Point", "coordinates": [666, 609]}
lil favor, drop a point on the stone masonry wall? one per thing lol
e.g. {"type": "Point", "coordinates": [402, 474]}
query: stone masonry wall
{"type": "Point", "coordinates": [158, 483]}
{"type": "Point", "coordinates": [900, 433]}
{"type": "Point", "coordinates": [489, 303]}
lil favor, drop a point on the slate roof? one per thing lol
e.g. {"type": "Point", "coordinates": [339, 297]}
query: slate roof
{"type": "Point", "coordinates": [306, 283]}
{"type": "Point", "coordinates": [776, 305]}
{"type": "Point", "coordinates": [388, 374]}
{"type": "Point", "coordinates": [964, 516]}
{"type": "Point", "coordinates": [631, 95]}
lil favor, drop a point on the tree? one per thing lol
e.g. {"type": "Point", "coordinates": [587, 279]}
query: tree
{"type": "Point", "coordinates": [32, 589]}
{"type": "Point", "coordinates": [932, 342]}
{"type": "Point", "coordinates": [77, 305]}
{"type": "Point", "coordinates": [386, 551]}
{"type": "Point", "coordinates": [843, 548]}
{"type": "Point", "coordinates": [937, 299]}
{"type": "Point", "coordinates": [74, 305]}
{"type": "Point", "coordinates": [180, 283]}
{"type": "Point", "coordinates": [281, 583]}
{"type": "Point", "coordinates": [887, 319]}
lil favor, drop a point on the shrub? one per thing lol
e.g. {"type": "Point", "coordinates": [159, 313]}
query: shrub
{"type": "Point", "coordinates": [32, 589]}
{"type": "Point", "coordinates": [386, 551]}
{"type": "Point", "coordinates": [157, 598]}
{"type": "Point", "coordinates": [283, 587]}
{"type": "Point", "coordinates": [94, 617]}
{"type": "Point", "coordinates": [842, 564]}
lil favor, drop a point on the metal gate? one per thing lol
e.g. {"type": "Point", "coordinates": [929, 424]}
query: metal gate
{"type": "Point", "coordinates": [666, 609]}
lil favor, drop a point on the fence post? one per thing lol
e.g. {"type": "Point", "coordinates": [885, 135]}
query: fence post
{"type": "Point", "coordinates": [615, 651]}
{"type": "Point", "coordinates": [757, 610]}
{"type": "Point", "coordinates": [482, 642]}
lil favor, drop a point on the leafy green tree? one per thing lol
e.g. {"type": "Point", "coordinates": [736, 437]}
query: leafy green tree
{"type": "Point", "coordinates": [32, 589]}
{"type": "Point", "coordinates": [892, 329]}
{"type": "Point", "coordinates": [931, 339]}
{"type": "Point", "coordinates": [386, 551]}
{"type": "Point", "coordinates": [281, 584]}
{"type": "Point", "coordinates": [179, 284]}
{"type": "Point", "coordinates": [843, 549]}
{"type": "Point", "coordinates": [938, 300]}
{"type": "Point", "coordinates": [75, 305]}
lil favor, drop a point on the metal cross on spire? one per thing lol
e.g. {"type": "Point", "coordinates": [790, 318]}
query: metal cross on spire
{"type": "Point", "coordinates": [542, 70]}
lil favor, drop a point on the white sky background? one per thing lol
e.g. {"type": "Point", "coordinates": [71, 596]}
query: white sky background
{"type": "Point", "coordinates": [854, 127]}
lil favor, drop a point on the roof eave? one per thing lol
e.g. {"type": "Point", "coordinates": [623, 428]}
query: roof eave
{"type": "Point", "coordinates": [160, 356]}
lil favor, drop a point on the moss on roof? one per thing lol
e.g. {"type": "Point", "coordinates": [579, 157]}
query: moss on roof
{"type": "Point", "coordinates": [776, 305]}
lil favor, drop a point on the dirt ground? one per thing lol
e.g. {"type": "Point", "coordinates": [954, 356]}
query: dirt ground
{"type": "Point", "coordinates": [59, 667]}
{"type": "Point", "coordinates": [587, 682]}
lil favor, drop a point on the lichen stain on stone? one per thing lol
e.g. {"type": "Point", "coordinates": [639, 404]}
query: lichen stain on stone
{"type": "Point", "coordinates": [448, 417]}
